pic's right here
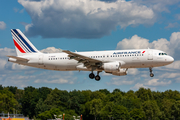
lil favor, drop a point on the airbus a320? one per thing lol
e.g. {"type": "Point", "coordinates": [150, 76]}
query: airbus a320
{"type": "Point", "coordinates": [115, 62]}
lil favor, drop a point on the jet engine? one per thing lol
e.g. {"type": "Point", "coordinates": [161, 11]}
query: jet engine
{"type": "Point", "coordinates": [111, 67]}
{"type": "Point", "coordinates": [114, 68]}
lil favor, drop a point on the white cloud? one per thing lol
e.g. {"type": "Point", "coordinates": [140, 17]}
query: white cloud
{"type": "Point", "coordinates": [140, 85]}
{"type": "Point", "coordinates": [2, 64]}
{"type": "Point", "coordinates": [51, 77]}
{"type": "Point", "coordinates": [58, 81]}
{"type": "Point", "coordinates": [6, 51]}
{"type": "Point", "coordinates": [16, 80]}
{"type": "Point", "coordinates": [136, 42]}
{"type": "Point", "coordinates": [83, 18]}
{"type": "Point", "coordinates": [154, 82]}
{"type": "Point", "coordinates": [177, 16]}
{"type": "Point", "coordinates": [172, 25]}
{"type": "Point", "coordinates": [174, 65]}
{"type": "Point", "coordinates": [118, 81]}
{"type": "Point", "coordinates": [6, 66]}
{"type": "Point", "coordinates": [137, 86]}
{"type": "Point", "coordinates": [15, 10]}
{"type": "Point", "coordinates": [133, 71]}
{"type": "Point", "coordinates": [2, 25]}
{"type": "Point", "coordinates": [51, 50]}
{"type": "Point", "coordinates": [158, 5]}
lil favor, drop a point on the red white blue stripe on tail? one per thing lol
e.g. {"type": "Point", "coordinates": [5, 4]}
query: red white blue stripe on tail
{"type": "Point", "coordinates": [22, 43]}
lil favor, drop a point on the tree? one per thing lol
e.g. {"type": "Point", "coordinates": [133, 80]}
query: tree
{"type": "Point", "coordinates": [144, 94]}
{"type": "Point", "coordinates": [107, 110]}
{"type": "Point", "coordinates": [105, 91]}
{"type": "Point", "coordinates": [137, 114]}
{"type": "Point", "coordinates": [95, 107]}
{"type": "Point", "coordinates": [151, 109]}
{"type": "Point", "coordinates": [120, 112]}
{"type": "Point", "coordinates": [44, 91]}
{"type": "Point", "coordinates": [29, 101]}
{"type": "Point", "coordinates": [7, 101]}
{"type": "Point", "coordinates": [176, 110]}
{"type": "Point", "coordinates": [57, 98]}
{"type": "Point", "coordinates": [97, 95]}
{"type": "Point", "coordinates": [40, 107]}
{"type": "Point", "coordinates": [75, 101]}
{"type": "Point", "coordinates": [12, 89]}
{"type": "Point", "coordinates": [1, 87]}
{"type": "Point", "coordinates": [50, 114]}
{"type": "Point", "coordinates": [166, 106]}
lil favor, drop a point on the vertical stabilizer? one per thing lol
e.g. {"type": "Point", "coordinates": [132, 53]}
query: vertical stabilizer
{"type": "Point", "coordinates": [22, 44]}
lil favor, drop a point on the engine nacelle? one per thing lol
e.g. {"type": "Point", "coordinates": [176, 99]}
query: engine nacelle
{"type": "Point", "coordinates": [111, 67]}
{"type": "Point", "coordinates": [121, 72]}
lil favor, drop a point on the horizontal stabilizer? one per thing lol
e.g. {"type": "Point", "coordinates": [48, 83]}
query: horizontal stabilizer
{"type": "Point", "coordinates": [18, 58]}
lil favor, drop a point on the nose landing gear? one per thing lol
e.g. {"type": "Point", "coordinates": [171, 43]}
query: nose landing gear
{"type": "Point", "coordinates": [151, 73]}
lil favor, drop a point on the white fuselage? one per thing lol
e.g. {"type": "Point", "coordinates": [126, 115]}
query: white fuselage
{"type": "Point", "coordinates": [137, 58]}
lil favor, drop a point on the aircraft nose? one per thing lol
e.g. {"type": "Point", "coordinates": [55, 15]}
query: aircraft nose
{"type": "Point", "coordinates": [170, 59]}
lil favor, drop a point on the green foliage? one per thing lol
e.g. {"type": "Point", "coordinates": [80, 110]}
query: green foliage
{"type": "Point", "coordinates": [7, 101]}
{"type": "Point", "coordinates": [137, 114]}
{"type": "Point", "coordinates": [120, 112]}
{"type": "Point", "coordinates": [107, 111]}
{"type": "Point", "coordinates": [95, 107]}
{"type": "Point", "coordinates": [151, 109]}
{"type": "Point", "coordinates": [43, 103]}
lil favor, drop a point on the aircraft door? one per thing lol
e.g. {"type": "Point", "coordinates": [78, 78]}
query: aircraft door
{"type": "Point", "coordinates": [150, 54]}
{"type": "Point", "coordinates": [40, 60]}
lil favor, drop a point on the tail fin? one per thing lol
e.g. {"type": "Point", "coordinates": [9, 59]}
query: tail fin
{"type": "Point", "coordinates": [22, 44]}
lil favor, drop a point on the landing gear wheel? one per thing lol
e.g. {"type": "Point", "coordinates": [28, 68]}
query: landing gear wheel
{"type": "Point", "coordinates": [91, 75]}
{"type": "Point", "coordinates": [151, 75]}
{"type": "Point", "coordinates": [97, 78]}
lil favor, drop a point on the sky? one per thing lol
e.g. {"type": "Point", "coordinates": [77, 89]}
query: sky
{"type": "Point", "coordinates": [91, 25]}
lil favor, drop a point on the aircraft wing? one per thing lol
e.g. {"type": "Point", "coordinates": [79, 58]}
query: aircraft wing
{"type": "Point", "coordinates": [18, 58]}
{"type": "Point", "coordinates": [88, 62]}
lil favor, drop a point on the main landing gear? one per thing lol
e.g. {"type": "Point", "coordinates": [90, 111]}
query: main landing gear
{"type": "Point", "coordinates": [92, 76]}
{"type": "Point", "coordinates": [151, 73]}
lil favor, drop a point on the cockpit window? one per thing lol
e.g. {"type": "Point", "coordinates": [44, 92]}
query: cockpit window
{"type": "Point", "coordinates": [162, 54]}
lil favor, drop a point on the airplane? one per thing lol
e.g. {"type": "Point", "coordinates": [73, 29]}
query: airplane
{"type": "Point", "coordinates": [115, 62]}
